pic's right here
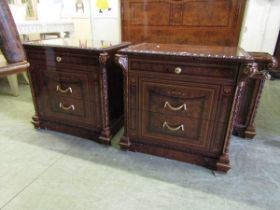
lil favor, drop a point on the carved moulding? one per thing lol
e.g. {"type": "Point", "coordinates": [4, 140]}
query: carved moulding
{"type": "Point", "coordinates": [122, 61]}
{"type": "Point", "coordinates": [105, 133]}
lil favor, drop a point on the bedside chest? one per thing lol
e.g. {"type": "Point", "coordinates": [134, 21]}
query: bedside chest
{"type": "Point", "coordinates": [76, 89]}
{"type": "Point", "coordinates": [180, 100]}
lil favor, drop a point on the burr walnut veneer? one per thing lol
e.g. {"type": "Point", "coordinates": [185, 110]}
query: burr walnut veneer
{"type": "Point", "coordinates": [204, 22]}
{"type": "Point", "coordinates": [76, 89]}
{"type": "Point", "coordinates": [181, 100]}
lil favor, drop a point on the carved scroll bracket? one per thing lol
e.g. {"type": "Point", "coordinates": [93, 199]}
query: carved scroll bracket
{"type": "Point", "coordinates": [103, 57]}
{"type": "Point", "coordinates": [122, 61]}
{"type": "Point", "coordinates": [248, 71]}
{"type": "Point", "coordinates": [274, 63]}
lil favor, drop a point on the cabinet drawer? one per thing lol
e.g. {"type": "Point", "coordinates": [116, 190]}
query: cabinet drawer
{"type": "Point", "coordinates": [74, 85]}
{"type": "Point", "coordinates": [191, 69]}
{"type": "Point", "coordinates": [71, 111]}
{"type": "Point", "coordinates": [195, 101]}
{"type": "Point", "coordinates": [56, 57]}
{"type": "Point", "coordinates": [184, 131]}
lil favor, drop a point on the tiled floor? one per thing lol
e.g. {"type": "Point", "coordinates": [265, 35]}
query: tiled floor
{"type": "Point", "coordinates": [45, 170]}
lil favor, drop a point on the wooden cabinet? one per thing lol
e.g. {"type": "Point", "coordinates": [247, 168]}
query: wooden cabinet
{"type": "Point", "coordinates": [76, 90]}
{"type": "Point", "coordinates": [180, 100]}
{"type": "Point", "coordinates": [204, 22]}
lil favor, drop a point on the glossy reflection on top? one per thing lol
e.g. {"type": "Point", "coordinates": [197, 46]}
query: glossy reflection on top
{"type": "Point", "coordinates": [192, 50]}
{"type": "Point", "coordinates": [75, 43]}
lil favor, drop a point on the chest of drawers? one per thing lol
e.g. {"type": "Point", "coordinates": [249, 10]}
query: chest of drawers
{"type": "Point", "coordinates": [180, 101]}
{"type": "Point", "coordinates": [76, 90]}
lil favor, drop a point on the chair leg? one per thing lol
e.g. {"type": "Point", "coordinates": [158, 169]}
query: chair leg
{"type": "Point", "coordinates": [13, 82]}
{"type": "Point", "coordinates": [24, 74]}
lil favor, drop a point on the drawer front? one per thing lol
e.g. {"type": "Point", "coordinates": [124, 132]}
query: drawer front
{"type": "Point", "coordinates": [184, 131]}
{"type": "Point", "coordinates": [194, 101]}
{"type": "Point", "coordinates": [226, 73]}
{"type": "Point", "coordinates": [74, 85]}
{"type": "Point", "coordinates": [56, 57]}
{"type": "Point", "coordinates": [71, 111]}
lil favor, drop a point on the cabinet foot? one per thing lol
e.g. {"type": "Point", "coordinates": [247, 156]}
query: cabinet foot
{"type": "Point", "coordinates": [36, 122]}
{"type": "Point", "coordinates": [125, 143]}
{"type": "Point", "coordinates": [105, 137]}
{"type": "Point", "coordinates": [250, 132]}
{"type": "Point", "coordinates": [223, 164]}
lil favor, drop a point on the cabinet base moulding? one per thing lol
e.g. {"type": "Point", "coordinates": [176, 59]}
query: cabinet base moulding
{"type": "Point", "coordinates": [220, 164]}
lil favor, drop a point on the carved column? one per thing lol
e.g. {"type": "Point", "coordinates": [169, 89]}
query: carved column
{"type": "Point", "coordinates": [246, 71]}
{"type": "Point", "coordinates": [123, 62]}
{"type": "Point", "coordinates": [250, 96]}
{"type": "Point", "coordinates": [105, 133]}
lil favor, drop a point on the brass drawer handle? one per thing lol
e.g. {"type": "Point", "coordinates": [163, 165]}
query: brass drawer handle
{"type": "Point", "coordinates": [165, 124]}
{"type": "Point", "coordinates": [58, 59]}
{"type": "Point", "coordinates": [167, 104]}
{"type": "Point", "coordinates": [178, 70]}
{"type": "Point", "coordinates": [59, 89]}
{"type": "Point", "coordinates": [66, 108]}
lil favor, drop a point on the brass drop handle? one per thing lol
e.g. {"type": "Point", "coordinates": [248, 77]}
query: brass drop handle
{"type": "Point", "coordinates": [183, 106]}
{"type": "Point", "coordinates": [59, 89]}
{"type": "Point", "coordinates": [58, 59]}
{"type": "Point", "coordinates": [180, 127]}
{"type": "Point", "coordinates": [178, 70]}
{"type": "Point", "coordinates": [66, 108]}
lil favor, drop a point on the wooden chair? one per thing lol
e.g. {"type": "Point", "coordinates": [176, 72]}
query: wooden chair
{"type": "Point", "coordinates": [10, 70]}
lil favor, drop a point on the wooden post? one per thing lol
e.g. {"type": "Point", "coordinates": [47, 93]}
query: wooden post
{"type": "Point", "coordinates": [10, 43]}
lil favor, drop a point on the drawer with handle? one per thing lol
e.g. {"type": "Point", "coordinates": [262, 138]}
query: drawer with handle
{"type": "Point", "coordinates": [72, 110]}
{"type": "Point", "coordinates": [193, 69]}
{"type": "Point", "coordinates": [193, 101]}
{"type": "Point", "coordinates": [176, 129]}
{"type": "Point", "coordinates": [73, 85]}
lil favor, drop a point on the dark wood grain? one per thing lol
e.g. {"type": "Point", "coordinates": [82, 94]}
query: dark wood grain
{"type": "Point", "coordinates": [197, 123]}
{"type": "Point", "coordinates": [71, 89]}
{"type": "Point", "coordinates": [215, 22]}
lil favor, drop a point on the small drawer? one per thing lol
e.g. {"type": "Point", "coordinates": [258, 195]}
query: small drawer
{"type": "Point", "coordinates": [71, 84]}
{"type": "Point", "coordinates": [71, 111]}
{"type": "Point", "coordinates": [182, 130]}
{"type": "Point", "coordinates": [191, 69]}
{"type": "Point", "coordinates": [50, 56]}
{"type": "Point", "coordinates": [192, 100]}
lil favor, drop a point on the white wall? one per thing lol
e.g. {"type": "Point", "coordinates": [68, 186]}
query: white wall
{"type": "Point", "coordinates": [261, 25]}
{"type": "Point", "coordinates": [106, 26]}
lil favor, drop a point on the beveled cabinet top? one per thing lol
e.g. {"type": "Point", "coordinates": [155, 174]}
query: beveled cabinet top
{"type": "Point", "coordinates": [99, 45]}
{"type": "Point", "coordinates": [222, 52]}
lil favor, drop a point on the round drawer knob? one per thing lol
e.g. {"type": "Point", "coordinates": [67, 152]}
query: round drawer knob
{"type": "Point", "coordinates": [58, 59]}
{"type": "Point", "coordinates": [178, 70]}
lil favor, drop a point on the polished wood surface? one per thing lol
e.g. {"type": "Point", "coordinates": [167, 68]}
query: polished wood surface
{"type": "Point", "coordinates": [181, 103]}
{"type": "Point", "coordinates": [216, 22]}
{"type": "Point", "coordinates": [76, 90]}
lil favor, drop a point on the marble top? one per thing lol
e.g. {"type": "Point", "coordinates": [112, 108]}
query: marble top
{"type": "Point", "coordinates": [189, 50]}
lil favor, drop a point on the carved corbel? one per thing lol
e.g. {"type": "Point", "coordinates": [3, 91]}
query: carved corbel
{"type": "Point", "coordinates": [273, 64]}
{"type": "Point", "coordinates": [248, 71]}
{"type": "Point", "coordinates": [122, 61]}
